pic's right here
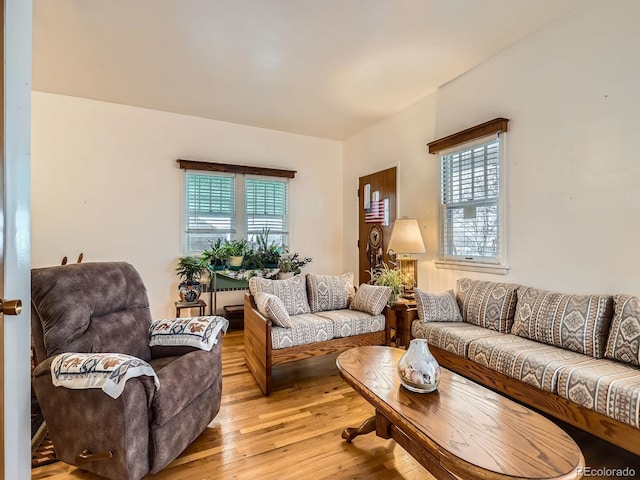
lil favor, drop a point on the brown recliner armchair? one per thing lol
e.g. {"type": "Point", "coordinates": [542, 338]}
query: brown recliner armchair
{"type": "Point", "coordinates": [103, 307]}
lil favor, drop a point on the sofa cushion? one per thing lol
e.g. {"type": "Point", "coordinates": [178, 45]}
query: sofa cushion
{"type": "Point", "coordinates": [272, 307]}
{"type": "Point", "coordinates": [329, 292]}
{"type": "Point", "coordinates": [624, 336]}
{"type": "Point", "coordinates": [606, 386]}
{"type": "Point", "coordinates": [371, 299]}
{"type": "Point", "coordinates": [487, 304]}
{"type": "Point", "coordinates": [451, 336]}
{"type": "Point", "coordinates": [347, 322]}
{"type": "Point", "coordinates": [574, 322]}
{"type": "Point", "coordinates": [305, 328]}
{"type": "Point", "coordinates": [292, 292]}
{"type": "Point", "coordinates": [526, 360]}
{"type": "Point", "coordinates": [437, 307]}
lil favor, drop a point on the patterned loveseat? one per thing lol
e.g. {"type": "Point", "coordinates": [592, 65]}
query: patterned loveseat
{"type": "Point", "coordinates": [575, 357]}
{"type": "Point", "coordinates": [306, 316]}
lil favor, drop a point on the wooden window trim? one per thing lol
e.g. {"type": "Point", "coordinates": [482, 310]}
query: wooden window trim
{"type": "Point", "coordinates": [496, 125]}
{"type": "Point", "coordinates": [228, 168]}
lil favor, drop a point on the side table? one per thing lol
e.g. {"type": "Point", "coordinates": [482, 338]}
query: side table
{"type": "Point", "coordinates": [200, 305]}
{"type": "Point", "coordinates": [398, 320]}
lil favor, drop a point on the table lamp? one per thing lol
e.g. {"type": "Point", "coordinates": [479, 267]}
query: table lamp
{"type": "Point", "coordinates": [405, 240]}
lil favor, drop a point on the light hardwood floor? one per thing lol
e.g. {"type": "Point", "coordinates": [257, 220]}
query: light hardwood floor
{"type": "Point", "coordinates": [295, 432]}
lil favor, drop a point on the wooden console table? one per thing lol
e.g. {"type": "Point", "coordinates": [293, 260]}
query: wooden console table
{"type": "Point", "coordinates": [462, 430]}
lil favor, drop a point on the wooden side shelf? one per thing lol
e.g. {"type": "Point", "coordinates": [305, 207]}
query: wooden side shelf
{"type": "Point", "coordinates": [235, 314]}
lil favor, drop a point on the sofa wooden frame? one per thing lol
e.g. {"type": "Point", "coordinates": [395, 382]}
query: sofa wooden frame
{"type": "Point", "coordinates": [261, 357]}
{"type": "Point", "coordinates": [613, 431]}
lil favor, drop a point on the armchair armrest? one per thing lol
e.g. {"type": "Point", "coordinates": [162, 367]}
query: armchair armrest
{"type": "Point", "coordinates": [107, 371]}
{"type": "Point", "coordinates": [185, 334]}
{"type": "Point", "coordinates": [80, 420]}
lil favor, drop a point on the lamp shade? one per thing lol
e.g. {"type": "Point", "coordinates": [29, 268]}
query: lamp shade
{"type": "Point", "coordinates": [406, 237]}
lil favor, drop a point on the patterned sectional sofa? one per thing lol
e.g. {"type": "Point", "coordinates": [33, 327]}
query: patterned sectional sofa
{"type": "Point", "coordinates": [306, 316]}
{"type": "Point", "coordinates": [575, 357]}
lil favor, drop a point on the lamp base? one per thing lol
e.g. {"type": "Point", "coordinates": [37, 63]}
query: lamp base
{"type": "Point", "coordinates": [409, 269]}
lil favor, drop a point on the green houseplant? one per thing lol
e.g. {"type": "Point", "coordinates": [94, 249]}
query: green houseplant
{"type": "Point", "coordinates": [290, 264]}
{"type": "Point", "coordinates": [388, 277]}
{"type": "Point", "coordinates": [190, 269]}
{"type": "Point", "coordinates": [216, 255]}
{"type": "Point", "coordinates": [268, 254]}
{"type": "Point", "coordinates": [236, 249]}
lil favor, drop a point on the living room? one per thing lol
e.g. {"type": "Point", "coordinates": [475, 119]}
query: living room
{"type": "Point", "coordinates": [105, 181]}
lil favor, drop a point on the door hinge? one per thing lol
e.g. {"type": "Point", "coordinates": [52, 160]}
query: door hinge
{"type": "Point", "coordinates": [358, 243]}
{"type": "Point", "coordinates": [358, 193]}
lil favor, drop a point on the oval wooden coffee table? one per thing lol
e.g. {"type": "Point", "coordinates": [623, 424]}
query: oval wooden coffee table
{"type": "Point", "coordinates": [462, 430]}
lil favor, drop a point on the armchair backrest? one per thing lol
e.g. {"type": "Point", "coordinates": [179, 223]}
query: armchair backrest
{"type": "Point", "coordinates": [89, 307]}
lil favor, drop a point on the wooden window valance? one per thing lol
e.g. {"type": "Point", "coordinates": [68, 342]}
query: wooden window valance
{"type": "Point", "coordinates": [496, 125]}
{"type": "Point", "coordinates": [228, 168]}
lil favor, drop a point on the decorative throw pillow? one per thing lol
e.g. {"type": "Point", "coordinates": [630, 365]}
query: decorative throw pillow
{"type": "Point", "coordinates": [487, 304]}
{"type": "Point", "coordinates": [198, 332]}
{"type": "Point", "coordinates": [624, 336]}
{"type": "Point", "coordinates": [330, 292]}
{"type": "Point", "coordinates": [371, 299]}
{"type": "Point", "coordinates": [292, 292]}
{"type": "Point", "coordinates": [272, 307]}
{"type": "Point", "coordinates": [108, 371]}
{"type": "Point", "coordinates": [437, 307]}
{"type": "Point", "coordinates": [574, 322]}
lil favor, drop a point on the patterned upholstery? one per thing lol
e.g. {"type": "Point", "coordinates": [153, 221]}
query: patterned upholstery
{"type": "Point", "coordinates": [305, 328]}
{"type": "Point", "coordinates": [437, 307]}
{"type": "Point", "coordinates": [292, 292]}
{"type": "Point", "coordinates": [624, 336]}
{"type": "Point", "coordinates": [330, 292]}
{"type": "Point", "coordinates": [574, 322]}
{"type": "Point", "coordinates": [451, 336]}
{"type": "Point", "coordinates": [526, 360]}
{"type": "Point", "coordinates": [347, 323]}
{"type": "Point", "coordinates": [371, 299]}
{"type": "Point", "coordinates": [487, 304]}
{"type": "Point", "coordinates": [272, 307]}
{"type": "Point", "coordinates": [606, 386]}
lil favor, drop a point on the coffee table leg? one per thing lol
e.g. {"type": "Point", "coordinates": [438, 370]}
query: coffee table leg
{"type": "Point", "coordinates": [369, 425]}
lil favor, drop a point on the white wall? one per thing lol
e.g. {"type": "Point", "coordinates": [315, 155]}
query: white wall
{"type": "Point", "coordinates": [105, 182]}
{"type": "Point", "coordinates": [571, 93]}
{"type": "Point", "coordinates": [399, 141]}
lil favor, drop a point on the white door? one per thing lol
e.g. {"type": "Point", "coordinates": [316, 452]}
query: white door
{"type": "Point", "coordinates": [15, 238]}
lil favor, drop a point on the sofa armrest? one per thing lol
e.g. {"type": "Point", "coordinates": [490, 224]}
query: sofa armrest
{"type": "Point", "coordinates": [257, 344]}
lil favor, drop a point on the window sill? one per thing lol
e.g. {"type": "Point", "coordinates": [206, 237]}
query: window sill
{"type": "Point", "coordinates": [472, 267]}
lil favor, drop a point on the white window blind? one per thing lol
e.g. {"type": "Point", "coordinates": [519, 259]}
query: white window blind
{"type": "Point", "coordinates": [210, 209]}
{"type": "Point", "coordinates": [266, 204]}
{"type": "Point", "coordinates": [470, 203]}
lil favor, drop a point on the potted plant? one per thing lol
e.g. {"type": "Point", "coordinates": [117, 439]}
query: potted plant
{"type": "Point", "coordinates": [190, 269]}
{"type": "Point", "coordinates": [216, 256]}
{"type": "Point", "coordinates": [290, 265]}
{"type": "Point", "coordinates": [236, 250]}
{"type": "Point", "coordinates": [269, 253]}
{"type": "Point", "coordinates": [388, 277]}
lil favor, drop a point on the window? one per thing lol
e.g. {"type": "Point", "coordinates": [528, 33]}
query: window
{"type": "Point", "coordinates": [267, 208]}
{"type": "Point", "coordinates": [471, 224]}
{"type": "Point", "coordinates": [233, 206]}
{"type": "Point", "coordinates": [210, 209]}
{"type": "Point", "coordinates": [472, 212]}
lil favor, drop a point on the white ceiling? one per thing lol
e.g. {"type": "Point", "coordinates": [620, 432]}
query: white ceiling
{"type": "Point", "coordinates": [326, 68]}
